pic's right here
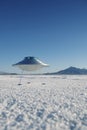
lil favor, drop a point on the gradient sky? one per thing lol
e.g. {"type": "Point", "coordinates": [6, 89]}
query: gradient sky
{"type": "Point", "coordinates": [55, 31]}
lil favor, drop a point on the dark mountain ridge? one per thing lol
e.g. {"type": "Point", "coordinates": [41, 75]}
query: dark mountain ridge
{"type": "Point", "coordinates": [71, 71]}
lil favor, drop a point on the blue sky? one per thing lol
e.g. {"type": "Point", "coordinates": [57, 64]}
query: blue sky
{"type": "Point", "coordinates": [55, 31]}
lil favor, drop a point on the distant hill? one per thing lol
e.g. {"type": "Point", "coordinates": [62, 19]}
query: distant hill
{"type": "Point", "coordinates": [71, 71]}
{"type": "Point", "coordinates": [6, 73]}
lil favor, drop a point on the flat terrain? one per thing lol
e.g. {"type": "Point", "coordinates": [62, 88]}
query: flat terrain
{"type": "Point", "coordinates": [43, 102]}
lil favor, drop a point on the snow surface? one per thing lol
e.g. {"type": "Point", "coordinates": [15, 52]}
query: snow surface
{"type": "Point", "coordinates": [43, 103]}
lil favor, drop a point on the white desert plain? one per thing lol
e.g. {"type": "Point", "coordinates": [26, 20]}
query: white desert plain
{"type": "Point", "coordinates": [43, 102]}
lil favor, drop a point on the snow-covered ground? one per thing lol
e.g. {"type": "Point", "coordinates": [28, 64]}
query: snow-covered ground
{"type": "Point", "coordinates": [43, 103]}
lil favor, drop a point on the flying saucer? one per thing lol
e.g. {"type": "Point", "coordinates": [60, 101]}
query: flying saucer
{"type": "Point", "coordinates": [30, 64]}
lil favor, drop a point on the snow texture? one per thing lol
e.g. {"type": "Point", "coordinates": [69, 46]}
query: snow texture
{"type": "Point", "coordinates": [43, 102]}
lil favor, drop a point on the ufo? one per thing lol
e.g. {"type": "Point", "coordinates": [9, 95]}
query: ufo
{"type": "Point", "coordinates": [30, 63]}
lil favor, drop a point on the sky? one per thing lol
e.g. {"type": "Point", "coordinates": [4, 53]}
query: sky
{"type": "Point", "coordinates": [55, 31]}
